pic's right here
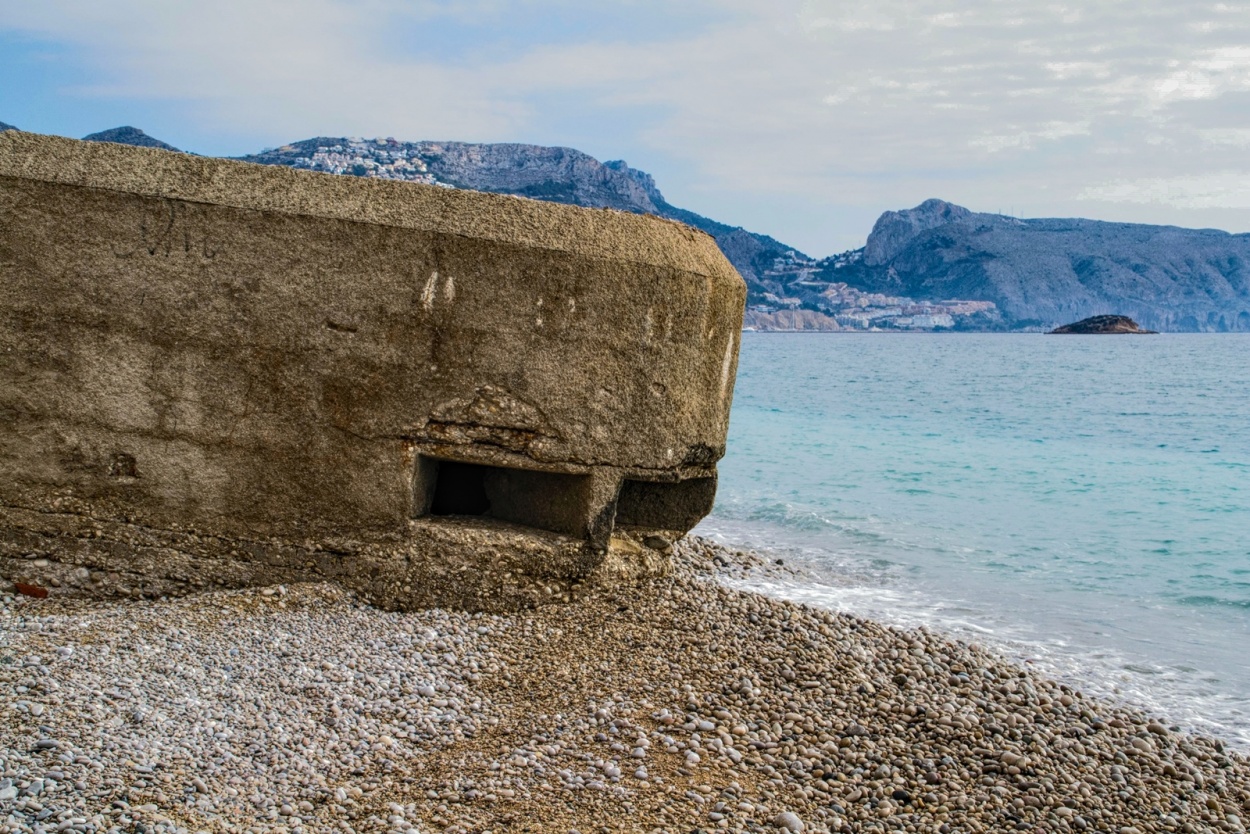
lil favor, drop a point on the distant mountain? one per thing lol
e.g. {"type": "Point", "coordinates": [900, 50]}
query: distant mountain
{"type": "Point", "coordinates": [937, 266]}
{"type": "Point", "coordinates": [895, 229]}
{"type": "Point", "coordinates": [560, 175]}
{"type": "Point", "coordinates": [4, 127]}
{"type": "Point", "coordinates": [1049, 271]}
{"type": "Point", "coordinates": [128, 136]}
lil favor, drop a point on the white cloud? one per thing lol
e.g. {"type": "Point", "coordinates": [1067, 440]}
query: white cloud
{"type": "Point", "coordinates": [1051, 131]}
{"type": "Point", "coordinates": [1224, 190]}
{"type": "Point", "coordinates": [1209, 74]}
{"type": "Point", "coordinates": [1064, 71]}
{"type": "Point", "coordinates": [1237, 137]}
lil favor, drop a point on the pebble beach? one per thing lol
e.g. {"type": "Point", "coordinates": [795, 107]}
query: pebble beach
{"type": "Point", "coordinates": [674, 704]}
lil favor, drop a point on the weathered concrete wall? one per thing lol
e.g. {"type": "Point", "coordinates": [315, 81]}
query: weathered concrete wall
{"type": "Point", "coordinates": [214, 371]}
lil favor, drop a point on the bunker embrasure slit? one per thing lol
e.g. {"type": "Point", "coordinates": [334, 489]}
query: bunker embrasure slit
{"type": "Point", "coordinates": [553, 501]}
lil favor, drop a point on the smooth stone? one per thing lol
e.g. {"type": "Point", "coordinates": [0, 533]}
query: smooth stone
{"type": "Point", "coordinates": [789, 821]}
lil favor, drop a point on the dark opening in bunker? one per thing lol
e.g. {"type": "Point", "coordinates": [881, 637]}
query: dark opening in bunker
{"type": "Point", "coordinates": [665, 506]}
{"type": "Point", "coordinates": [460, 490]}
{"type": "Point", "coordinates": [552, 501]}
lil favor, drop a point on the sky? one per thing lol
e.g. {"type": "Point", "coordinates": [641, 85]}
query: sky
{"type": "Point", "coordinates": [802, 119]}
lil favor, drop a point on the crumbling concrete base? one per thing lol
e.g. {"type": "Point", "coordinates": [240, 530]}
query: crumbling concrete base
{"type": "Point", "coordinates": [472, 564]}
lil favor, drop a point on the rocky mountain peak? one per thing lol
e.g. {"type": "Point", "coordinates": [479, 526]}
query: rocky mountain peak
{"type": "Point", "coordinates": [894, 229]}
{"type": "Point", "coordinates": [641, 177]}
{"type": "Point", "coordinates": [127, 135]}
{"type": "Point", "coordinates": [4, 126]}
{"type": "Point", "coordinates": [548, 173]}
{"type": "Point", "coordinates": [1043, 271]}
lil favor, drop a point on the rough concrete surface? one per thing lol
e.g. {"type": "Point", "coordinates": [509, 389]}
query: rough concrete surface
{"type": "Point", "coordinates": [220, 373]}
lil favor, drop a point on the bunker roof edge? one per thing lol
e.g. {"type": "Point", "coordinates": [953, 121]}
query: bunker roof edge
{"type": "Point", "coordinates": [250, 186]}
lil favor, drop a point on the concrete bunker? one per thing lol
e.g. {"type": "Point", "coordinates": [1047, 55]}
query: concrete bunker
{"type": "Point", "coordinates": [222, 374]}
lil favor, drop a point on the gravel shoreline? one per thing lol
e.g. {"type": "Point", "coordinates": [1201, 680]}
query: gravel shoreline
{"type": "Point", "coordinates": [675, 704]}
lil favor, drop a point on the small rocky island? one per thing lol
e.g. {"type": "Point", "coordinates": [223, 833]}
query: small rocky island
{"type": "Point", "coordinates": [1102, 325]}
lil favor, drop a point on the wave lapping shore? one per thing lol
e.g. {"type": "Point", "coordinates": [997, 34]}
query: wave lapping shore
{"type": "Point", "coordinates": [674, 704]}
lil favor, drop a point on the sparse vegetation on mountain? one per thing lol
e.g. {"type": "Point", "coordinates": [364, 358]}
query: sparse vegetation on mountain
{"type": "Point", "coordinates": [128, 136]}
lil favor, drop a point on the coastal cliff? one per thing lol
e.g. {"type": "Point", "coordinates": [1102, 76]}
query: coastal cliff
{"type": "Point", "coordinates": [1046, 271]}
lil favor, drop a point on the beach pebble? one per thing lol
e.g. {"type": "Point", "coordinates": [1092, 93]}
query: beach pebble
{"type": "Point", "coordinates": [788, 821]}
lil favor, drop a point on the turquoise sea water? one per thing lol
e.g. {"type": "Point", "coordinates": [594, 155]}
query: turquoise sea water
{"type": "Point", "coordinates": [1083, 503]}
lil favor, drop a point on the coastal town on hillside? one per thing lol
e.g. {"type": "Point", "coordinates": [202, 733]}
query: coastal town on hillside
{"type": "Point", "coordinates": [842, 306]}
{"type": "Point", "coordinates": [382, 158]}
